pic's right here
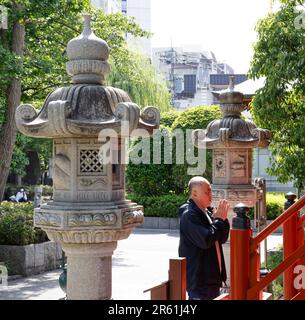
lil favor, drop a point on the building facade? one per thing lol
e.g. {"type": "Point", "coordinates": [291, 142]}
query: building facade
{"type": "Point", "coordinates": [141, 11]}
{"type": "Point", "coordinates": [109, 6]}
{"type": "Point", "coordinates": [189, 75]}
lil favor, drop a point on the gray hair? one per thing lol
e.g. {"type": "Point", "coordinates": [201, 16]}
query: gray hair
{"type": "Point", "coordinates": [195, 181]}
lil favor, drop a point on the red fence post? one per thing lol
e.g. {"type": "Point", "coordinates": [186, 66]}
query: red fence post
{"type": "Point", "coordinates": [290, 244]}
{"type": "Point", "coordinates": [177, 279]}
{"type": "Point", "coordinates": [240, 253]}
{"type": "Point", "coordinates": [301, 235]}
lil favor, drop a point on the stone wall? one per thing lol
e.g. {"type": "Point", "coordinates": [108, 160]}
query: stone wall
{"type": "Point", "coordinates": [173, 224]}
{"type": "Point", "coordinates": [160, 223]}
{"type": "Point", "coordinates": [31, 259]}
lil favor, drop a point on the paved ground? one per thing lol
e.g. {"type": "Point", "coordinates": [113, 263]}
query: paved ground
{"type": "Point", "coordinates": [139, 262]}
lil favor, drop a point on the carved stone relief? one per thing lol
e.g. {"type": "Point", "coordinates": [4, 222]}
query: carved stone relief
{"type": "Point", "coordinates": [62, 172]}
{"type": "Point", "coordinates": [92, 183]}
{"type": "Point", "coordinates": [93, 196]}
{"type": "Point", "coordinates": [220, 165]}
{"type": "Point", "coordinates": [130, 217]}
{"type": "Point", "coordinates": [99, 219]}
{"type": "Point", "coordinates": [238, 165]}
{"type": "Point", "coordinates": [47, 219]}
{"type": "Point", "coordinates": [88, 236]}
{"type": "Point", "coordinates": [240, 195]}
{"type": "Point", "coordinates": [218, 194]}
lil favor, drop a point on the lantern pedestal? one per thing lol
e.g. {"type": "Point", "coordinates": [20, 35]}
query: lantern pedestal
{"type": "Point", "coordinates": [90, 270]}
{"type": "Point", "coordinates": [89, 124]}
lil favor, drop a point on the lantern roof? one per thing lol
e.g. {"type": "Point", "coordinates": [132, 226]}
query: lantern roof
{"type": "Point", "coordinates": [232, 131]}
{"type": "Point", "coordinates": [87, 106]}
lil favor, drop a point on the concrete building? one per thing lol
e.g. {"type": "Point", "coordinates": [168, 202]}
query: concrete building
{"type": "Point", "coordinates": [109, 6]}
{"type": "Point", "coordinates": [141, 11]}
{"type": "Point", "coordinates": [189, 74]}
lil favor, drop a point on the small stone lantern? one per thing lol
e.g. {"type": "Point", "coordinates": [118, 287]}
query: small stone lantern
{"type": "Point", "coordinates": [232, 140]}
{"type": "Point", "coordinates": [89, 213]}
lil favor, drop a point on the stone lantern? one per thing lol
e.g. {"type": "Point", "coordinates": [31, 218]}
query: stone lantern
{"type": "Point", "coordinates": [89, 213]}
{"type": "Point", "coordinates": [232, 140]}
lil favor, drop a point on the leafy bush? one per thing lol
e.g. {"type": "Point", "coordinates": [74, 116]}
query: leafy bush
{"type": "Point", "coordinates": [169, 117]}
{"type": "Point", "coordinates": [168, 205]}
{"type": "Point", "coordinates": [160, 206]}
{"type": "Point", "coordinates": [149, 179]}
{"type": "Point", "coordinates": [274, 205]}
{"type": "Point", "coordinates": [197, 117]}
{"type": "Point", "coordinates": [162, 179]}
{"type": "Point", "coordinates": [16, 225]}
{"type": "Point", "coordinates": [272, 262]}
{"type": "Point", "coordinates": [194, 118]}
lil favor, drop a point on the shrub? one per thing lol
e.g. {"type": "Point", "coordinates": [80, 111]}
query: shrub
{"type": "Point", "coordinates": [197, 117]}
{"type": "Point", "coordinates": [160, 206]}
{"type": "Point", "coordinates": [149, 179]}
{"type": "Point", "coordinates": [168, 118]}
{"type": "Point", "coordinates": [16, 225]}
{"type": "Point", "coordinates": [162, 179]}
{"type": "Point", "coordinates": [194, 118]}
{"type": "Point", "coordinates": [272, 262]}
{"type": "Point", "coordinates": [274, 205]}
{"type": "Point", "coordinates": [168, 205]}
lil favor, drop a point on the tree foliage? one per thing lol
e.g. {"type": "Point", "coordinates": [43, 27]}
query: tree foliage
{"type": "Point", "coordinates": [49, 25]}
{"type": "Point", "coordinates": [279, 56]}
{"type": "Point", "coordinates": [148, 88]}
{"type": "Point", "coordinates": [194, 118]}
{"type": "Point", "coordinates": [161, 179]}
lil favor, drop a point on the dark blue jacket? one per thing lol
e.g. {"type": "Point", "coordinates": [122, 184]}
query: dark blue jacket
{"type": "Point", "coordinates": [197, 244]}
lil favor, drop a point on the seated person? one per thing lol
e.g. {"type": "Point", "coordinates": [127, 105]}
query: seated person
{"type": "Point", "coordinates": [21, 196]}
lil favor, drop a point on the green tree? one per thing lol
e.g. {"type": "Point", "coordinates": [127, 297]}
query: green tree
{"type": "Point", "coordinates": [194, 118]}
{"type": "Point", "coordinates": [33, 59]}
{"type": "Point", "coordinates": [150, 179]}
{"type": "Point", "coordinates": [279, 55]}
{"type": "Point", "coordinates": [11, 51]}
{"type": "Point", "coordinates": [161, 179]}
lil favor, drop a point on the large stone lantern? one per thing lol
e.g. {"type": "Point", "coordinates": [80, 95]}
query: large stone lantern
{"type": "Point", "coordinates": [89, 213]}
{"type": "Point", "coordinates": [232, 140]}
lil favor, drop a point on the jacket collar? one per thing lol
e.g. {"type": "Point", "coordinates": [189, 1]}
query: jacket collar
{"type": "Point", "coordinates": [198, 210]}
{"type": "Point", "coordinates": [194, 205]}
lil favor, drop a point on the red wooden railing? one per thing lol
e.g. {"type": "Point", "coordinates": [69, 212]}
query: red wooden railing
{"type": "Point", "coordinates": [245, 257]}
{"type": "Point", "coordinates": [245, 260]}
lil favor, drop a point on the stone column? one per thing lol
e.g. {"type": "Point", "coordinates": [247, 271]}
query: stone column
{"type": "Point", "coordinates": [90, 270]}
{"type": "Point", "coordinates": [89, 212]}
{"type": "Point", "coordinates": [232, 140]}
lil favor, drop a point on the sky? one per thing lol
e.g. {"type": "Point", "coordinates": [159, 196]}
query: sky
{"type": "Point", "coordinates": [225, 27]}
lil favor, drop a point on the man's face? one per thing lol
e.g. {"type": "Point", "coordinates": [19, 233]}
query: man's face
{"type": "Point", "coordinates": [202, 194]}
